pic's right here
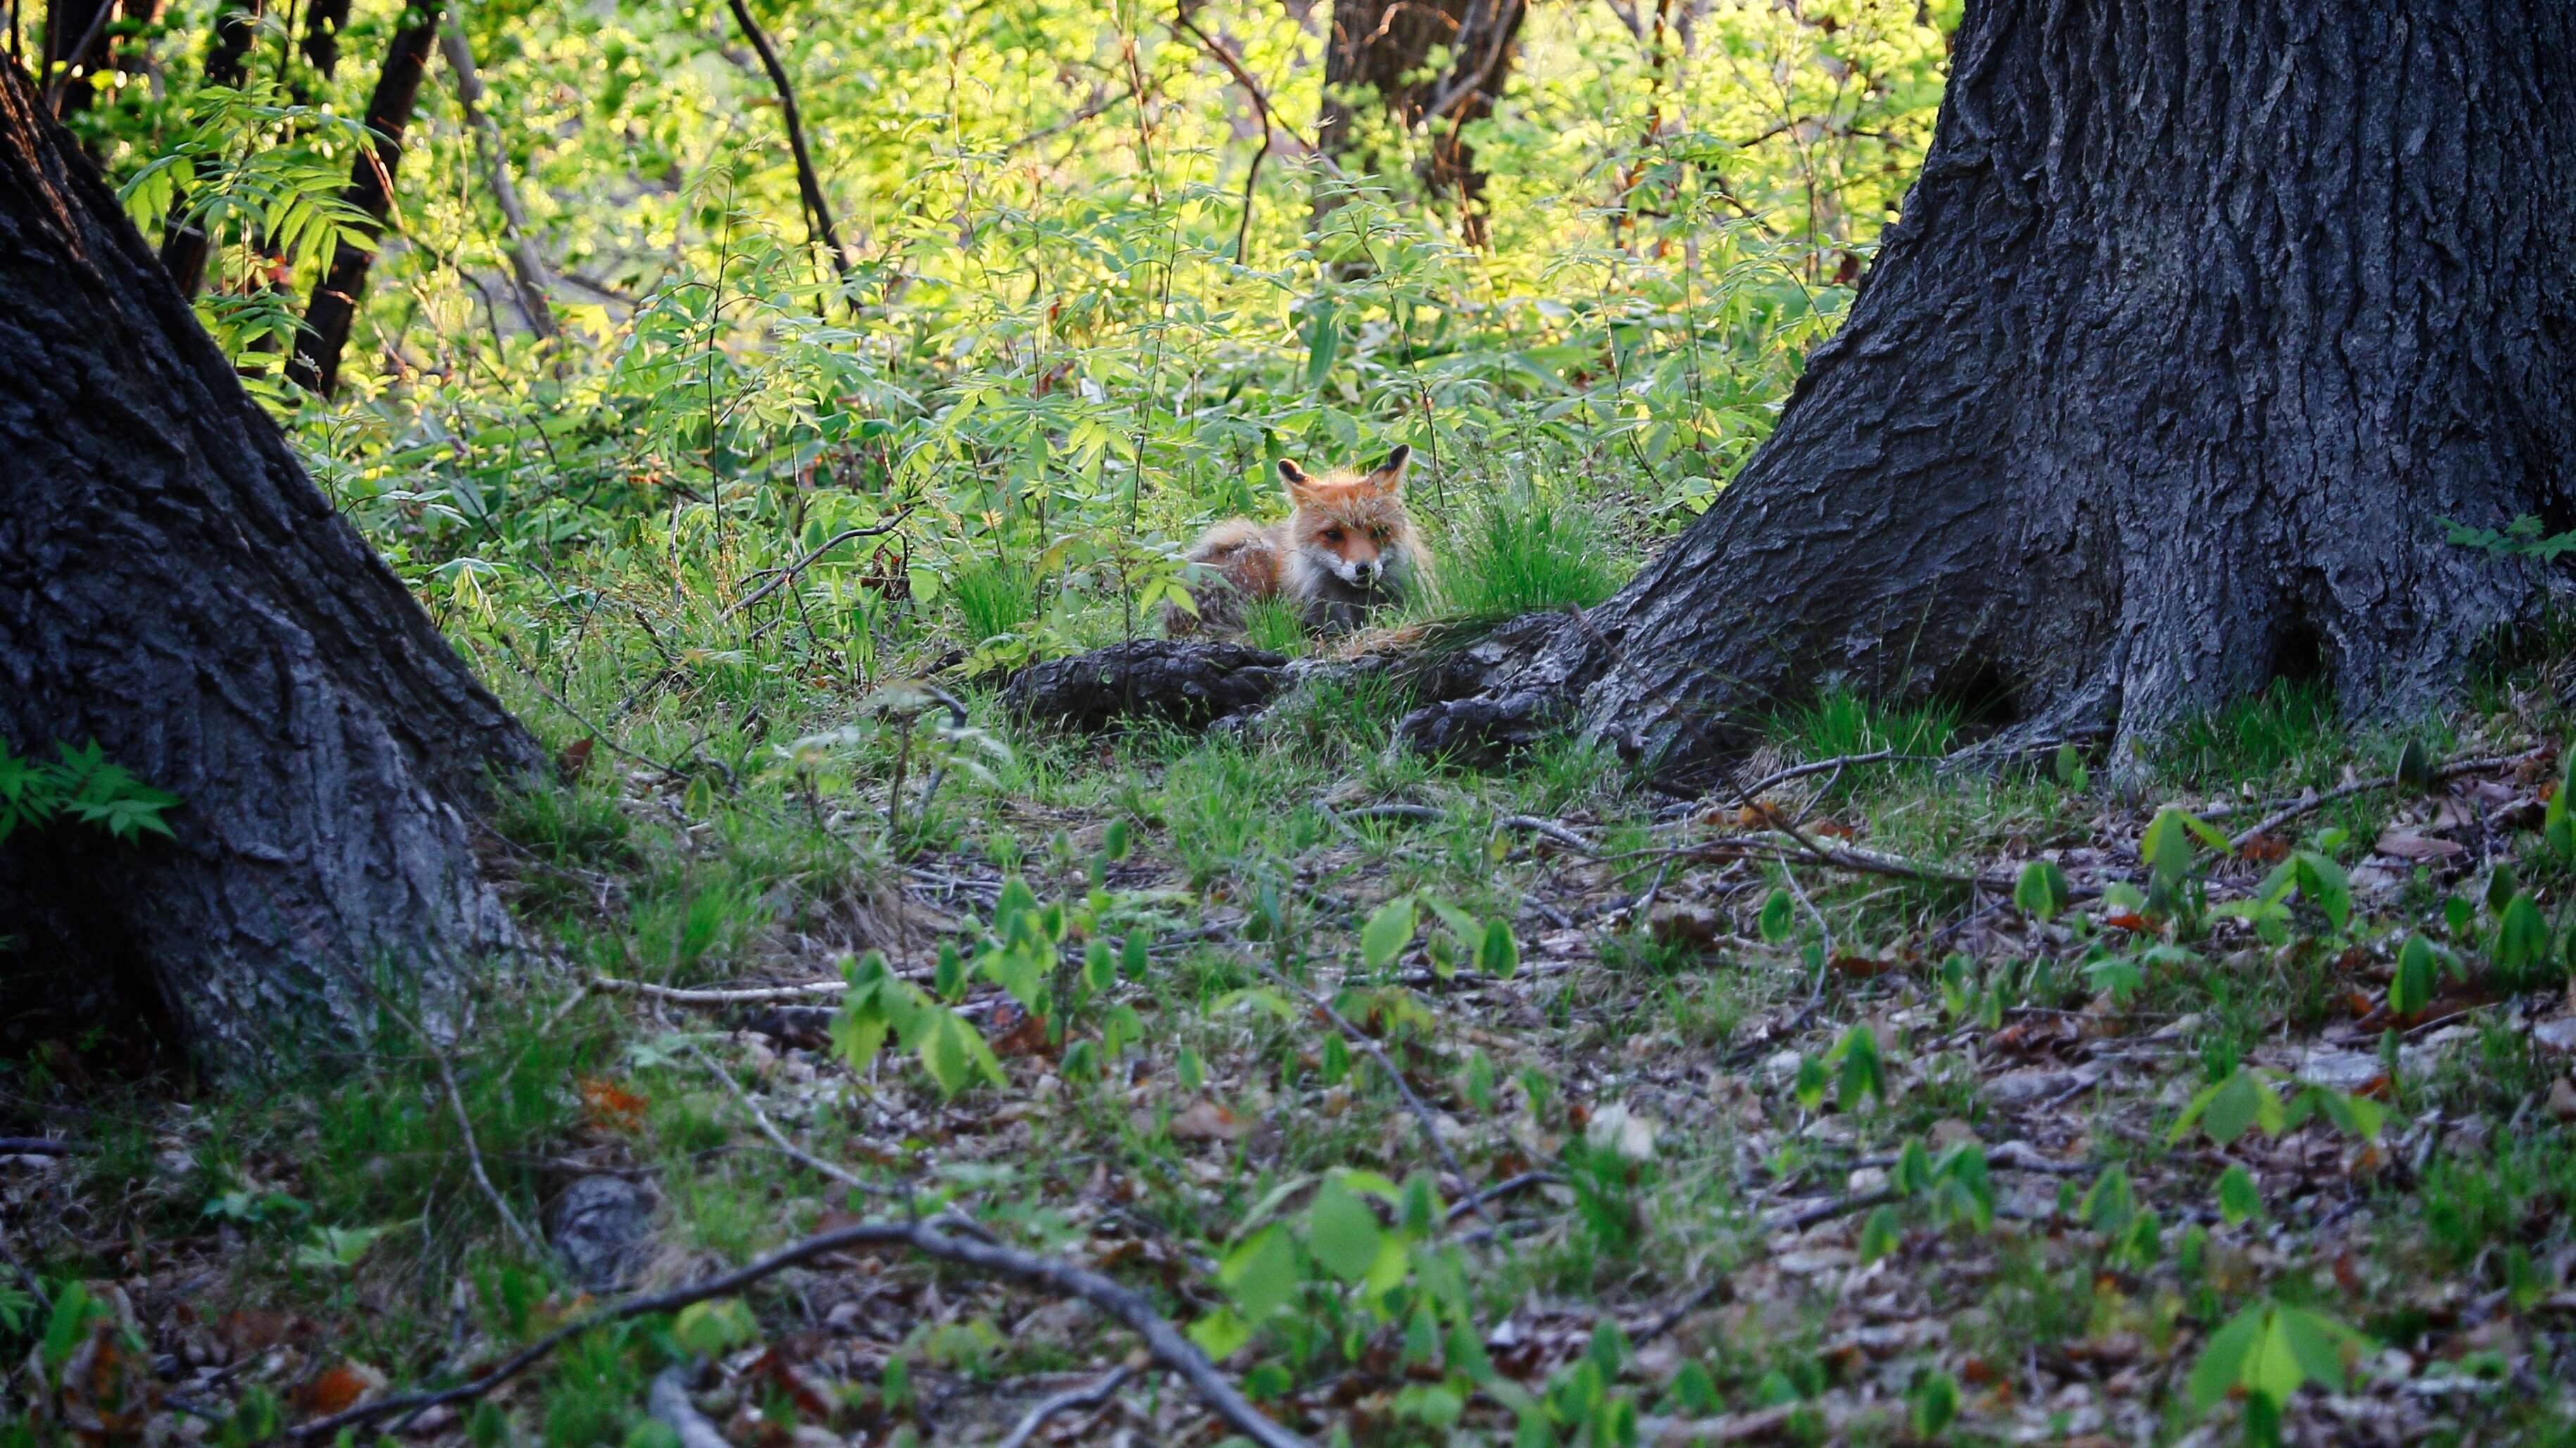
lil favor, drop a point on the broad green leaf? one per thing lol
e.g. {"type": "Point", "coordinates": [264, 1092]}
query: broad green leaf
{"type": "Point", "coordinates": [1777, 916]}
{"type": "Point", "coordinates": [1342, 1232]}
{"type": "Point", "coordinates": [2238, 1199]}
{"type": "Point", "coordinates": [1387, 932]}
{"type": "Point", "coordinates": [2522, 936]}
{"type": "Point", "coordinates": [1261, 1274]}
{"type": "Point", "coordinates": [2042, 890]}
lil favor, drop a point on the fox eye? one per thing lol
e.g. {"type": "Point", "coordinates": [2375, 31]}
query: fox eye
{"type": "Point", "coordinates": [1332, 535]}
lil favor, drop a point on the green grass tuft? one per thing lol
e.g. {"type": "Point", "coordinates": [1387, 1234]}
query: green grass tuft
{"type": "Point", "coordinates": [1528, 550]}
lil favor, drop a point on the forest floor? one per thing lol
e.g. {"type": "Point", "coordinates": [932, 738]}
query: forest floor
{"type": "Point", "coordinates": [1885, 1091]}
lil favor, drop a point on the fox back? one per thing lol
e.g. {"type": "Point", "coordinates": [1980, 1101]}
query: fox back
{"type": "Point", "coordinates": [1348, 547]}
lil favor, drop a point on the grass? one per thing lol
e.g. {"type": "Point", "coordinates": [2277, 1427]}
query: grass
{"type": "Point", "coordinates": [1528, 549]}
{"type": "Point", "coordinates": [700, 878]}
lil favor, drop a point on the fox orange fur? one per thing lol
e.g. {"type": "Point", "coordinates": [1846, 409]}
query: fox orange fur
{"type": "Point", "coordinates": [1346, 548]}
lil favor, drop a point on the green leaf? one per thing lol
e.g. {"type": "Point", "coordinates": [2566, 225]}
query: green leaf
{"type": "Point", "coordinates": [1387, 932]}
{"type": "Point", "coordinates": [2415, 765]}
{"type": "Point", "coordinates": [2411, 988]}
{"type": "Point", "coordinates": [712, 1329]}
{"type": "Point", "coordinates": [1499, 955]}
{"type": "Point", "coordinates": [1777, 916]}
{"type": "Point", "coordinates": [1261, 1273]}
{"type": "Point", "coordinates": [2238, 1198]}
{"type": "Point", "coordinates": [2522, 936]}
{"type": "Point", "coordinates": [2323, 883]}
{"type": "Point", "coordinates": [1221, 1334]}
{"type": "Point", "coordinates": [1342, 1232]}
{"type": "Point", "coordinates": [1811, 1083]}
{"type": "Point", "coordinates": [2222, 1365]}
{"type": "Point", "coordinates": [2042, 890]}
{"type": "Point", "coordinates": [2166, 847]}
{"type": "Point", "coordinates": [1880, 1234]}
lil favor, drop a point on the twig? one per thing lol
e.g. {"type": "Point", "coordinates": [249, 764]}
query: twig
{"type": "Point", "coordinates": [786, 575]}
{"type": "Point", "coordinates": [1260, 104]}
{"type": "Point", "coordinates": [1751, 792]}
{"type": "Point", "coordinates": [1427, 814]}
{"type": "Point", "coordinates": [1508, 1186]}
{"type": "Point", "coordinates": [456, 1103]}
{"type": "Point", "coordinates": [1549, 829]}
{"type": "Point", "coordinates": [1167, 1343]}
{"type": "Point", "coordinates": [740, 995]}
{"type": "Point", "coordinates": [1421, 1110]}
{"type": "Point", "coordinates": [2293, 810]}
{"type": "Point", "coordinates": [669, 1402]}
{"type": "Point", "coordinates": [808, 181]}
{"type": "Point", "coordinates": [776, 1137]}
{"type": "Point", "coordinates": [1090, 1395]}
{"type": "Point", "coordinates": [42, 1146]}
{"type": "Point", "coordinates": [1794, 1222]}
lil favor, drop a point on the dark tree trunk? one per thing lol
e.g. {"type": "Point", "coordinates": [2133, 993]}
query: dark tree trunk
{"type": "Point", "coordinates": [2199, 324]}
{"type": "Point", "coordinates": [1383, 46]}
{"type": "Point", "coordinates": [174, 588]}
{"type": "Point", "coordinates": [333, 309]}
{"type": "Point", "coordinates": [185, 248]}
{"type": "Point", "coordinates": [323, 22]}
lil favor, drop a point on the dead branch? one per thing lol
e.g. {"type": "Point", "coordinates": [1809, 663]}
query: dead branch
{"type": "Point", "coordinates": [1167, 1343]}
{"type": "Point", "coordinates": [1422, 1113]}
{"type": "Point", "coordinates": [669, 1402]}
{"type": "Point", "coordinates": [2284, 813]}
{"type": "Point", "coordinates": [1090, 1395]}
{"type": "Point", "coordinates": [788, 574]}
{"type": "Point", "coordinates": [777, 1138]}
{"type": "Point", "coordinates": [808, 181]}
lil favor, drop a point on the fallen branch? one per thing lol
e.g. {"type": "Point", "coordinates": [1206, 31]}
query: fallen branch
{"type": "Point", "coordinates": [1751, 792]}
{"type": "Point", "coordinates": [1797, 1221]}
{"type": "Point", "coordinates": [669, 1402]}
{"type": "Point", "coordinates": [1090, 1395]}
{"type": "Point", "coordinates": [1422, 1114]}
{"type": "Point", "coordinates": [1167, 1343]}
{"type": "Point", "coordinates": [745, 996]}
{"type": "Point", "coordinates": [1508, 1186]}
{"type": "Point", "coordinates": [777, 1138]}
{"type": "Point", "coordinates": [784, 576]}
{"type": "Point", "coordinates": [2283, 814]}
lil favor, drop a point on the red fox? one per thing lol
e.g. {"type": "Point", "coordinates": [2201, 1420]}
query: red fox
{"type": "Point", "coordinates": [1346, 547]}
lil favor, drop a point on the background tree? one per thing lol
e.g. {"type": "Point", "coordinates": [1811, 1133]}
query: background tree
{"type": "Point", "coordinates": [333, 309]}
{"type": "Point", "coordinates": [2200, 327]}
{"type": "Point", "coordinates": [173, 588]}
{"type": "Point", "coordinates": [1384, 48]}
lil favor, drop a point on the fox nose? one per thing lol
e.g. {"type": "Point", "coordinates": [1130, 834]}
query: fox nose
{"type": "Point", "coordinates": [1371, 568]}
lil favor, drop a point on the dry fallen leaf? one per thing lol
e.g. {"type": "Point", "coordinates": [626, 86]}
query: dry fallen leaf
{"type": "Point", "coordinates": [1207, 1121]}
{"type": "Point", "coordinates": [2409, 845]}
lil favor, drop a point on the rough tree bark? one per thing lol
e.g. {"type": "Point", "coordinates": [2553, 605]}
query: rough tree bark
{"type": "Point", "coordinates": [173, 587]}
{"type": "Point", "coordinates": [333, 309]}
{"type": "Point", "coordinates": [2200, 322]}
{"type": "Point", "coordinates": [1384, 46]}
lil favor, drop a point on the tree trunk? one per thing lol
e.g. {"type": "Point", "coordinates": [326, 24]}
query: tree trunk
{"type": "Point", "coordinates": [1382, 46]}
{"type": "Point", "coordinates": [185, 247]}
{"type": "Point", "coordinates": [173, 587]}
{"type": "Point", "coordinates": [527, 265]}
{"type": "Point", "coordinates": [333, 309]}
{"type": "Point", "coordinates": [2200, 323]}
{"type": "Point", "coordinates": [323, 22]}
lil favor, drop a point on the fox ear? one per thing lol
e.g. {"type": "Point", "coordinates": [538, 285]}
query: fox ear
{"type": "Point", "coordinates": [1297, 478]}
{"type": "Point", "coordinates": [1390, 474]}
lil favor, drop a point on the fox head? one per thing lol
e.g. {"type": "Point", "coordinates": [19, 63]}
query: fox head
{"type": "Point", "coordinates": [1351, 524]}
